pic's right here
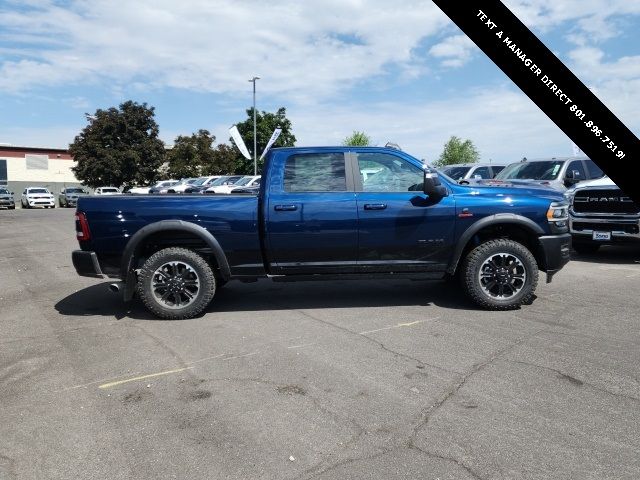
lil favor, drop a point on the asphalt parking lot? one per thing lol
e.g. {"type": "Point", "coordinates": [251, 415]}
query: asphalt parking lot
{"type": "Point", "coordinates": [331, 380]}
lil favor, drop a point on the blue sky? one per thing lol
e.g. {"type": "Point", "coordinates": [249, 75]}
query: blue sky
{"type": "Point", "coordinates": [400, 71]}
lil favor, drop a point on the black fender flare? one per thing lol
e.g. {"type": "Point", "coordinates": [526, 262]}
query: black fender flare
{"type": "Point", "coordinates": [498, 218]}
{"type": "Point", "coordinates": [137, 239]}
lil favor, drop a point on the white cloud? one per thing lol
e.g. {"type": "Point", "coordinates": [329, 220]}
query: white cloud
{"type": "Point", "coordinates": [454, 51]}
{"type": "Point", "coordinates": [504, 125]}
{"type": "Point", "coordinates": [303, 49]}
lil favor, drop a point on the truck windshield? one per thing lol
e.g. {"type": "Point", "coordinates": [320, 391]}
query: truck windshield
{"type": "Point", "coordinates": [544, 170]}
{"type": "Point", "coordinates": [456, 172]}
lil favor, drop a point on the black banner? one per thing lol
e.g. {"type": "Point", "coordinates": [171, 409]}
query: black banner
{"type": "Point", "coordinates": [552, 87]}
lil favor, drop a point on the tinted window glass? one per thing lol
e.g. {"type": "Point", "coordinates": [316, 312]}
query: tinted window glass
{"type": "Point", "coordinates": [578, 170]}
{"type": "Point", "coordinates": [594, 170]}
{"type": "Point", "coordinates": [4, 192]}
{"type": "Point", "coordinates": [456, 172]}
{"type": "Point", "coordinates": [543, 170]}
{"type": "Point", "coordinates": [38, 190]}
{"type": "Point", "coordinates": [323, 172]}
{"type": "Point", "coordinates": [497, 169]}
{"type": "Point", "coordinates": [73, 190]}
{"type": "Point", "coordinates": [481, 172]}
{"type": "Point", "coordinates": [394, 174]}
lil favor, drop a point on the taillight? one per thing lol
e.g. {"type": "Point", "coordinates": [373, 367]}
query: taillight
{"type": "Point", "coordinates": [82, 227]}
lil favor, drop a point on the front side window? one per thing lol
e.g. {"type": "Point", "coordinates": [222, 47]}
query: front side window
{"type": "Point", "coordinates": [315, 172]}
{"type": "Point", "coordinates": [393, 174]}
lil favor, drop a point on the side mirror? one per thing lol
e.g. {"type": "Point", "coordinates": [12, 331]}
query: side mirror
{"type": "Point", "coordinates": [572, 177]}
{"type": "Point", "coordinates": [432, 186]}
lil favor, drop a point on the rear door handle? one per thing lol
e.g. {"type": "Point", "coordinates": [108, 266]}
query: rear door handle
{"type": "Point", "coordinates": [375, 206]}
{"type": "Point", "coordinates": [285, 208]}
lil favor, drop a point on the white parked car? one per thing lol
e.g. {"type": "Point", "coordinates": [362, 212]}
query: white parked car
{"type": "Point", "coordinates": [37, 197]}
{"type": "Point", "coordinates": [245, 182]}
{"type": "Point", "coordinates": [224, 184]}
{"type": "Point", "coordinates": [107, 191]}
{"type": "Point", "coordinates": [157, 188]}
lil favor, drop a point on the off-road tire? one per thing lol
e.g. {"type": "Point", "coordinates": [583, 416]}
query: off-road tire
{"type": "Point", "coordinates": [205, 293]}
{"type": "Point", "coordinates": [585, 248]}
{"type": "Point", "coordinates": [473, 262]}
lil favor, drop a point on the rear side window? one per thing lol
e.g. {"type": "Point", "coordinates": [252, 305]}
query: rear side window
{"type": "Point", "coordinates": [594, 170]}
{"type": "Point", "coordinates": [323, 172]}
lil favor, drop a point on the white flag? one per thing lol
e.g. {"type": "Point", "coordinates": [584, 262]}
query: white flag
{"type": "Point", "coordinates": [235, 134]}
{"type": "Point", "coordinates": [274, 137]}
{"type": "Point", "coordinates": [576, 150]}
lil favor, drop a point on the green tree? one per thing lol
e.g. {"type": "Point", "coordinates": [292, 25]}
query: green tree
{"type": "Point", "coordinates": [266, 123]}
{"type": "Point", "coordinates": [357, 139]}
{"type": "Point", "coordinates": [119, 147]}
{"type": "Point", "coordinates": [224, 161]}
{"type": "Point", "coordinates": [457, 151]}
{"type": "Point", "coordinates": [191, 155]}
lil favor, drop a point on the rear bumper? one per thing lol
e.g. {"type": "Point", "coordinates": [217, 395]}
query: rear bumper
{"type": "Point", "coordinates": [556, 252]}
{"type": "Point", "coordinates": [86, 264]}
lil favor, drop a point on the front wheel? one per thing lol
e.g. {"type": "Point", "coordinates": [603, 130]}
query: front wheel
{"type": "Point", "coordinates": [176, 283]}
{"type": "Point", "coordinates": [500, 275]}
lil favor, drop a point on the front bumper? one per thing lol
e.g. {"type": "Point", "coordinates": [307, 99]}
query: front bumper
{"type": "Point", "coordinates": [40, 202]}
{"type": "Point", "coordinates": [86, 264]}
{"type": "Point", "coordinates": [7, 203]}
{"type": "Point", "coordinates": [623, 228]}
{"type": "Point", "coordinates": [556, 252]}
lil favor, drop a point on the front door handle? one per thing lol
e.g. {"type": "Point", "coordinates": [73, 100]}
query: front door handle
{"type": "Point", "coordinates": [375, 206]}
{"type": "Point", "coordinates": [285, 208]}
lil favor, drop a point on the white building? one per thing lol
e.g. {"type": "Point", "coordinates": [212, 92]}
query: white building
{"type": "Point", "coordinates": [22, 167]}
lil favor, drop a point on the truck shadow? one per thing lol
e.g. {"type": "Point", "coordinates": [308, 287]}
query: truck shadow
{"type": "Point", "coordinates": [611, 254]}
{"type": "Point", "coordinates": [265, 295]}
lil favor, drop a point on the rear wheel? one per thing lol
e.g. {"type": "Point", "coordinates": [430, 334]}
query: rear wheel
{"type": "Point", "coordinates": [584, 248]}
{"type": "Point", "coordinates": [500, 275]}
{"type": "Point", "coordinates": [176, 283]}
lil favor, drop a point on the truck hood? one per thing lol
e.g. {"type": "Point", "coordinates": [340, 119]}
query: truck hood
{"type": "Point", "coordinates": [599, 182]}
{"type": "Point", "coordinates": [514, 190]}
{"type": "Point", "coordinates": [548, 184]}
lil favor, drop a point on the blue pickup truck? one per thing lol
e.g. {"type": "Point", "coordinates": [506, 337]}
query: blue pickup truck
{"type": "Point", "coordinates": [326, 213]}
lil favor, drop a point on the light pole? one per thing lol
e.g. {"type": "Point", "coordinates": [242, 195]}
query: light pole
{"type": "Point", "coordinates": [255, 148]}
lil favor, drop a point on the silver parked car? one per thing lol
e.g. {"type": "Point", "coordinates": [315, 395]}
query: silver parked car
{"type": "Point", "coordinates": [6, 199]}
{"type": "Point", "coordinates": [557, 173]}
{"type": "Point", "coordinates": [68, 197]}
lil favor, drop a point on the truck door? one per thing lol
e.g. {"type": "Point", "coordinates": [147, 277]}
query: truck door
{"type": "Point", "coordinates": [310, 216]}
{"type": "Point", "coordinates": [400, 229]}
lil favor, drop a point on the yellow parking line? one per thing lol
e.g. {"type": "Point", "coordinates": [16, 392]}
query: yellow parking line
{"type": "Point", "coordinates": [143, 377]}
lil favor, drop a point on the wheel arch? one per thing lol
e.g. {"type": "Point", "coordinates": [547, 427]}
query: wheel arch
{"type": "Point", "coordinates": [500, 225]}
{"type": "Point", "coordinates": [155, 230]}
